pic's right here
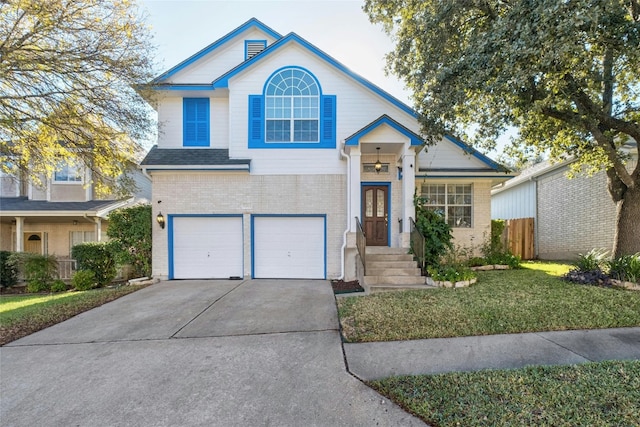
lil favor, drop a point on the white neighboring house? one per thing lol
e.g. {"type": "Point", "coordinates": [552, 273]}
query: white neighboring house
{"type": "Point", "coordinates": [65, 212]}
{"type": "Point", "coordinates": [572, 216]}
{"type": "Point", "coordinates": [266, 161]}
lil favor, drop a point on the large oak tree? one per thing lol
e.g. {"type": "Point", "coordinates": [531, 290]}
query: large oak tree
{"type": "Point", "coordinates": [564, 72]}
{"type": "Point", "coordinates": [67, 69]}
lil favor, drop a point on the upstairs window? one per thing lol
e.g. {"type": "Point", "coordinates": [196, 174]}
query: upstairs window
{"type": "Point", "coordinates": [68, 173]}
{"type": "Point", "coordinates": [253, 47]}
{"type": "Point", "coordinates": [292, 113]}
{"type": "Point", "coordinates": [195, 122]}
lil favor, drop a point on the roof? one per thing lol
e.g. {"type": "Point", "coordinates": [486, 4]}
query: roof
{"type": "Point", "coordinates": [384, 119]}
{"type": "Point", "coordinates": [193, 158]}
{"type": "Point", "coordinates": [14, 205]}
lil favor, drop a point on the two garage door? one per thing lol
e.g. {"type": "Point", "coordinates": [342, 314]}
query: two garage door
{"type": "Point", "coordinates": [281, 247]}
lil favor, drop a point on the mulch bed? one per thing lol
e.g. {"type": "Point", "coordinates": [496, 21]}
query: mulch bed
{"type": "Point", "coordinates": [342, 287]}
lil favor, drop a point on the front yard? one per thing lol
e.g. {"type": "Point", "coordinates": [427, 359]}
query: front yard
{"type": "Point", "coordinates": [530, 299]}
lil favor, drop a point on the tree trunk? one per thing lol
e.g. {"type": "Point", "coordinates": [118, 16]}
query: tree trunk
{"type": "Point", "coordinates": [627, 237]}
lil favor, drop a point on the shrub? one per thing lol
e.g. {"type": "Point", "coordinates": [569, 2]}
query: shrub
{"type": "Point", "coordinates": [83, 280]}
{"type": "Point", "coordinates": [8, 270]}
{"type": "Point", "coordinates": [436, 231]}
{"type": "Point", "coordinates": [451, 273]}
{"type": "Point", "coordinates": [58, 286]}
{"type": "Point", "coordinates": [130, 230]}
{"type": "Point", "coordinates": [97, 257]}
{"type": "Point", "coordinates": [38, 270]}
{"type": "Point", "coordinates": [593, 260]}
{"type": "Point", "coordinates": [626, 268]}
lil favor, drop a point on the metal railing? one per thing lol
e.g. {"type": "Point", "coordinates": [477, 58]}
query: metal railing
{"type": "Point", "coordinates": [417, 244]}
{"type": "Point", "coordinates": [361, 243]}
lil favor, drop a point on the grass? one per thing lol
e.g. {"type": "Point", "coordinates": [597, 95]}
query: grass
{"type": "Point", "coordinates": [21, 315]}
{"type": "Point", "coordinates": [594, 394]}
{"type": "Point", "coordinates": [530, 299]}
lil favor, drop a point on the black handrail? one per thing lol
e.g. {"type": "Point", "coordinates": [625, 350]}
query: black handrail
{"type": "Point", "coordinates": [418, 242]}
{"type": "Point", "coordinates": [361, 243]}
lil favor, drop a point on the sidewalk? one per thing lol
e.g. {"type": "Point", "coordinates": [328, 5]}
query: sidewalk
{"type": "Point", "coordinates": [370, 361]}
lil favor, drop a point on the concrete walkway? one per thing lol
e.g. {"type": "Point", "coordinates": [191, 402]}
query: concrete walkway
{"type": "Point", "coordinates": [193, 353]}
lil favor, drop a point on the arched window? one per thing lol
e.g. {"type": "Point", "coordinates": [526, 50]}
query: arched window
{"type": "Point", "coordinates": [292, 100]}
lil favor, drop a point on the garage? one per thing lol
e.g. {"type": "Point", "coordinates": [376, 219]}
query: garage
{"type": "Point", "coordinates": [205, 247]}
{"type": "Point", "coordinates": [289, 247]}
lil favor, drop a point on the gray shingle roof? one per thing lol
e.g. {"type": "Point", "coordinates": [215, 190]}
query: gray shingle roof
{"type": "Point", "coordinates": [190, 156]}
{"type": "Point", "coordinates": [24, 204]}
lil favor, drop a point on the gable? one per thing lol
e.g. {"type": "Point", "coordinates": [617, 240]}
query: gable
{"type": "Point", "coordinates": [220, 56]}
{"type": "Point", "coordinates": [451, 154]}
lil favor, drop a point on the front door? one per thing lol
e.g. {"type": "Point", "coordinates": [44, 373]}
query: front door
{"type": "Point", "coordinates": [375, 214]}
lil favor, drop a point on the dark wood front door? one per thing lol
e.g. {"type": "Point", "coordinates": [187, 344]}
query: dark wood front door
{"type": "Point", "coordinates": [375, 212]}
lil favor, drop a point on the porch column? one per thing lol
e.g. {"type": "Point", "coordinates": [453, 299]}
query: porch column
{"type": "Point", "coordinates": [408, 188]}
{"type": "Point", "coordinates": [19, 234]}
{"type": "Point", "coordinates": [98, 222]}
{"type": "Point", "coordinates": [354, 158]}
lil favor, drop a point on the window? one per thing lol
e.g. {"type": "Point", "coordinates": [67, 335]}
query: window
{"type": "Point", "coordinates": [253, 47]}
{"type": "Point", "coordinates": [454, 201]}
{"type": "Point", "coordinates": [77, 237]}
{"type": "Point", "coordinates": [67, 173]}
{"type": "Point", "coordinates": [195, 116]}
{"type": "Point", "coordinates": [292, 113]}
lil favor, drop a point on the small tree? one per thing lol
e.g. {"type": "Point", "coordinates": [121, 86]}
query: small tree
{"type": "Point", "coordinates": [130, 231]}
{"type": "Point", "coordinates": [97, 257]}
{"type": "Point", "coordinates": [39, 271]}
{"type": "Point", "coordinates": [437, 233]}
{"type": "Point", "coordinates": [8, 270]}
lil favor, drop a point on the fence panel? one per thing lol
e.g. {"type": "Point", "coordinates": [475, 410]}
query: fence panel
{"type": "Point", "coordinates": [518, 237]}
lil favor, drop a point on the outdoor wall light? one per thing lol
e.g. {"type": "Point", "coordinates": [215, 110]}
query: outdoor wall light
{"type": "Point", "coordinates": [378, 165]}
{"type": "Point", "coordinates": [160, 220]}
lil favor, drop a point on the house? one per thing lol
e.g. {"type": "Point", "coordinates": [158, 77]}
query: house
{"type": "Point", "coordinates": [51, 219]}
{"type": "Point", "coordinates": [271, 153]}
{"type": "Point", "coordinates": [571, 216]}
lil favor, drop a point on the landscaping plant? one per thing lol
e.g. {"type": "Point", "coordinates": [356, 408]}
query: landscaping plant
{"type": "Point", "coordinates": [97, 257]}
{"type": "Point", "coordinates": [8, 270]}
{"type": "Point", "coordinates": [130, 232]}
{"type": "Point", "coordinates": [84, 280]}
{"type": "Point", "coordinates": [437, 233]}
{"type": "Point", "coordinates": [39, 271]}
{"type": "Point", "coordinates": [625, 268]}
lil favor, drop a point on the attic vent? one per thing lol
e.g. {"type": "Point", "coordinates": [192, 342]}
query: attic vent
{"type": "Point", "coordinates": [254, 47]}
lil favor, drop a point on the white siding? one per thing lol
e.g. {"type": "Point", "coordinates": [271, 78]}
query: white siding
{"type": "Point", "coordinates": [445, 154]}
{"type": "Point", "coordinates": [170, 122]}
{"type": "Point", "coordinates": [219, 123]}
{"type": "Point", "coordinates": [218, 62]}
{"type": "Point", "coordinates": [516, 202]}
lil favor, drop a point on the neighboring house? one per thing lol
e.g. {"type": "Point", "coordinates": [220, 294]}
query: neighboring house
{"type": "Point", "coordinates": [266, 161]}
{"type": "Point", "coordinates": [65, 212]}
{"type": "Point", "coordinates": [572, 216]}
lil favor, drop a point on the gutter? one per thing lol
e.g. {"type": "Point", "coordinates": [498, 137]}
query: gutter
{"type": "Point", "coordinates": [344, 155]}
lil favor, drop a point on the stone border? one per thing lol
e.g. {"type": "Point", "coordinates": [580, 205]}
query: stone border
{"type": "Point", "coordinates": [625, 285]}
{"type": "Point", "coordinates": [490, 267]}
{"type": "Point", "coordinates": [447, 284]}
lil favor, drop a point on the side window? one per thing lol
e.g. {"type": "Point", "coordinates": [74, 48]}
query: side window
{"type": "Point", "coordinates": [195, 115]}
{"type": "Point", "coordinates": [292, 113]}
{"type": "Point", "coordinates": [68, 174]}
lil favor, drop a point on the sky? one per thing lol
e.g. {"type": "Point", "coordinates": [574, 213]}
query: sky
{"type": "Point", "coordinates": [340, 28]}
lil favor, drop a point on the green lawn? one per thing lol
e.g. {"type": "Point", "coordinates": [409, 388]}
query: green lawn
{"type": "Point", "coordinates": [21, 315]}
{"type": "Point", "coordinates": [594, 394]}
{"type": "Point", "coordinates": [530, 299]}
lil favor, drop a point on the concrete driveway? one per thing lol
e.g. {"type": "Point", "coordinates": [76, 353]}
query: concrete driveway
{"type": "Point", "coordinates": [196, 352]}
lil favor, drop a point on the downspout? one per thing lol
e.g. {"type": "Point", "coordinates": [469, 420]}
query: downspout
{"type": "Point", "coordinates": [343, 154]}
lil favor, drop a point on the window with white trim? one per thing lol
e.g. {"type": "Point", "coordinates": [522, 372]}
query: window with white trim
{"type": "Point", "coordinates": [68, 173]}
{"type": "Point", "coordinates": [454, 201]}
{"type": "Point", "coordinates": [78, 237]}
{"type": "Point", "coordinates": [292, 111]}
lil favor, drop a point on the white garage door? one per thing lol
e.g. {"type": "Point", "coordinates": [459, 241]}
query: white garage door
{"type": "Point", "coordinates": [289, 247]}
{"type": "Point", "coordinates": [207, 247]}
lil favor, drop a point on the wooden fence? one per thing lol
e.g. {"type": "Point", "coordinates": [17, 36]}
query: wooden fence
{"type": "Point", "coordinates": [518, 237]}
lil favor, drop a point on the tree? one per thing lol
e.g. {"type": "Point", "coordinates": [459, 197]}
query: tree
{"type": "Point", "coordinates": [565, 73]}
{"type": "Point", "coordinates": [67, 72]}
{"type": "Point", "coordinates": [130, 229]}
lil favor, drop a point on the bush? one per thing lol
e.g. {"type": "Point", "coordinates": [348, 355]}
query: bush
{"type": "Point", "coordinates": [451, 273]}
{"type": "Point", "coordinates": [58, 286]}
{"type": "Point", "coordinates": [437, 233]}
{"type": "Point", "coordinates": [38, 270]}
{"type": "Point", "coordinates": [626, 268]}
{"type": "Point", "coordinates": [130, 230]}
{"type": "Point", "coordinates": [593, 260]}
{"type": "Point", "coordinates": [8, 270]}
{"type": "Point", "coordinates": [97, 257]}
{"type": "Point", "coordinates": [83, 280]}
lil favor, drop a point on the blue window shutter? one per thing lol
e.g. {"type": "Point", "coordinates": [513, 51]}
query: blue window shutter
{"type": "Point", "coordinates": [328, 117]}
{"type": "Point", "coordinates": [196, 122]}
{"type": "Point", "coordinates": [256, 120]}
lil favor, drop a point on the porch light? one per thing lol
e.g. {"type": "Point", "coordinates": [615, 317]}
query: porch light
{"type": "Point", "coordinates": [378, 165]}
{"type": "Point", "coordinates": [160, 220]}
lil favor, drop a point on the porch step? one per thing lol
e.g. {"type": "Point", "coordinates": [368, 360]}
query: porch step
{"type": "Point", "coordinates": [388, 271]}
{"type": "Point", "coordinates": [392, 269]}
{"type": "Point", "coordinates": [388, 288]}
{"type": "Point", "coordinates": [389, 257]}
{"type": "Point", "coordinates": [385, 250]}
{"type": "Point", "coordinates": [390, 264]}
{"type": "Point", "coordinates": [370, 280]}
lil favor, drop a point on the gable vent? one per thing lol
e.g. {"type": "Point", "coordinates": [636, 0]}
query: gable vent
{"type": "Point", "coordinates": [255, 47]}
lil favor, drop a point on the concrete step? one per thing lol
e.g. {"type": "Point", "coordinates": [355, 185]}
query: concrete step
{"type": "Point", "coordinates": [385, 250]}
{"type": "Point", "coordinates": [389, 257]}
{"type": "Point", "coordinates": [394, 280]}
{"type": "Point", "coordinates": [377, 271]}
{"type": "Point", "coordinates": [389, 288]}
{"type": "Point", "coordinates": [391, 264]}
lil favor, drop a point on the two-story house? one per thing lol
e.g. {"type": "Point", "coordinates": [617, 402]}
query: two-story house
{"type": "Point", "coordinates": [51, 218]}
{"type": "Point", "coordinates": [271, 154]}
